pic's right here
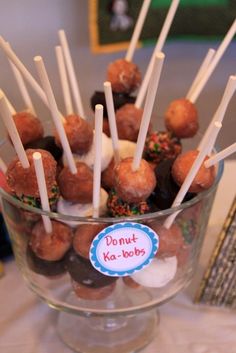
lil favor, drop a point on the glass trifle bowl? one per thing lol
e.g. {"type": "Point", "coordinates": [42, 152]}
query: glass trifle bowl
{"type": "Point", "coordinates": [107, 294]}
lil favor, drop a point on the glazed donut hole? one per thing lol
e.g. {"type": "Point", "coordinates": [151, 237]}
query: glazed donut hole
{"type": "Point", "coordinates": [83, 237]}
{"type": "Point", "coordinates": [204, 178]}
{"type": "Point", "coordinates": [23, 180]}
{"type": "Point", "coordinates": [52, 246]}
{"type": "Point", "coordinates": [134, 186]}
{"type": "Point", "coordinates": [128, 120]}
{"type": "Point", "coordinates": [29, 127]}
{"type": "Point", "coordinates": [79, 133]}
{"type": "Point", "coordinates": [76, 187]}
{"type": "Point", "coordinates": [181, 118]}
{"type": "Point", "coordinates": [124, 76]}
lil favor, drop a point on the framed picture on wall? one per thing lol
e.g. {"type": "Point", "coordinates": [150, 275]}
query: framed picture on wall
{"type": "Point", "coordinates": [112, 21]}
{"type": "Point", "coordinates": [218, 286]}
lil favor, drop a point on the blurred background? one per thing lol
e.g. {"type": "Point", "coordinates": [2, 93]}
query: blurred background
{"type": "Point", "coordinates": [32, 27]}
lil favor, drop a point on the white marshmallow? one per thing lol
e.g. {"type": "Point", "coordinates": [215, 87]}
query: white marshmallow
{"type": "Point", "coordinates": [79, 209]}
{"type": "Point", "coordinates": [88, 158]}
{"type": "Point", "coordinates": [158, 273]}
{"type": "Point", "coordinates": [127, 148]}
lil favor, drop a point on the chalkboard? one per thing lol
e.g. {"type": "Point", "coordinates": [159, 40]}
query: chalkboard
{"type": "Point", "coordinates": [194, 19]}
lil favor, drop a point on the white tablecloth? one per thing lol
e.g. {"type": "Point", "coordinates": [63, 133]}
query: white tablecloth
{"type": "Point", "coordinates": [28, 326]}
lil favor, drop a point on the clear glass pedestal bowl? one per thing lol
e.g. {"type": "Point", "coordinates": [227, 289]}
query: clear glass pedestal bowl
{"type": "Point", "coordinates": [125, 320]}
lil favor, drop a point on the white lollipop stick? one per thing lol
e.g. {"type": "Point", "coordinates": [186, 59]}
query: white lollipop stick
{"type": "Point", "coordinates": [12, 131]}
{"type": "Point", "coordinates": [3, 166]}
{"type": "Point", "coordinates": [220, 155]}
{"type": "Point", "coordinates": [55, 113]}
{"type": "Point", "coordinates": [43, 193]}
{"type": "Point", "coordinates": [25, 73]}
{"type": "Point", "coordinates": [10, 106]}
{"type": "Point", "coordinates": [159, 45]}
{"type": "Point", "coordinates": [71, 73]}
{"type": "Point", "coordinates": [112, 119]}
{"type": "Point", "coordinates": [137, 29]}
{"type": "Point", "coordinates": [191, 174]}
{"type": "Point", "coordinates": [212, 138]}
{"type": "Point", "coordinates": [23, 90]}
{"type": "Point", "coordinates": [97, 159]}
{"type": "Point", "coordinates": [201, 71]}
{"type": "Point", "coordinates": [219, 53]}
{"type": "Point", "coordinates": [220, 112]}
{"type": "Point", "coordinates": [64, 80]}
{"type": "Point", "coordinates": [149, 102]}
{"type": "Point", "coordinates": [22, 87]}
{"type": "Point", "coordinates": [12, 56]}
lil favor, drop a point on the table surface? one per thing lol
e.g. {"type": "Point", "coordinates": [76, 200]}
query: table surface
{"type": "Point", "coordinates": [27, 325]}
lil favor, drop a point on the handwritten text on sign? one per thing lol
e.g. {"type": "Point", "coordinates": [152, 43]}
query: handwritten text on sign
{"type": "Point", "coordinates": [123, 248]}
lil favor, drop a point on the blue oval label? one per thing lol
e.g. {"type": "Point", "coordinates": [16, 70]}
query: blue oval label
{"type": "Point", "coordinates": [123, 248]}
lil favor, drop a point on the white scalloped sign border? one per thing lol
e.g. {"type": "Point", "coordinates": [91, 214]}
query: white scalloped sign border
{"type": "Point", "coordinates": [123, 249]}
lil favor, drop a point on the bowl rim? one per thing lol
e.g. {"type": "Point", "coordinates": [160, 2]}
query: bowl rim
{"type": "Point", "coordinates": [147, 216]}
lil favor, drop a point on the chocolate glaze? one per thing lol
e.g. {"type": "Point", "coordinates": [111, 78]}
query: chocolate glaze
{"type": "Point", "coordinates": [46, 143]}
{"type": "Point", "coordinates": [44, 267]}
{"type": "Point", "coordinates": [119, 99]}
{"type": "Point", "coordinates": [82, 271]}
{"type": "Point", "coordinates": [166, 189]}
